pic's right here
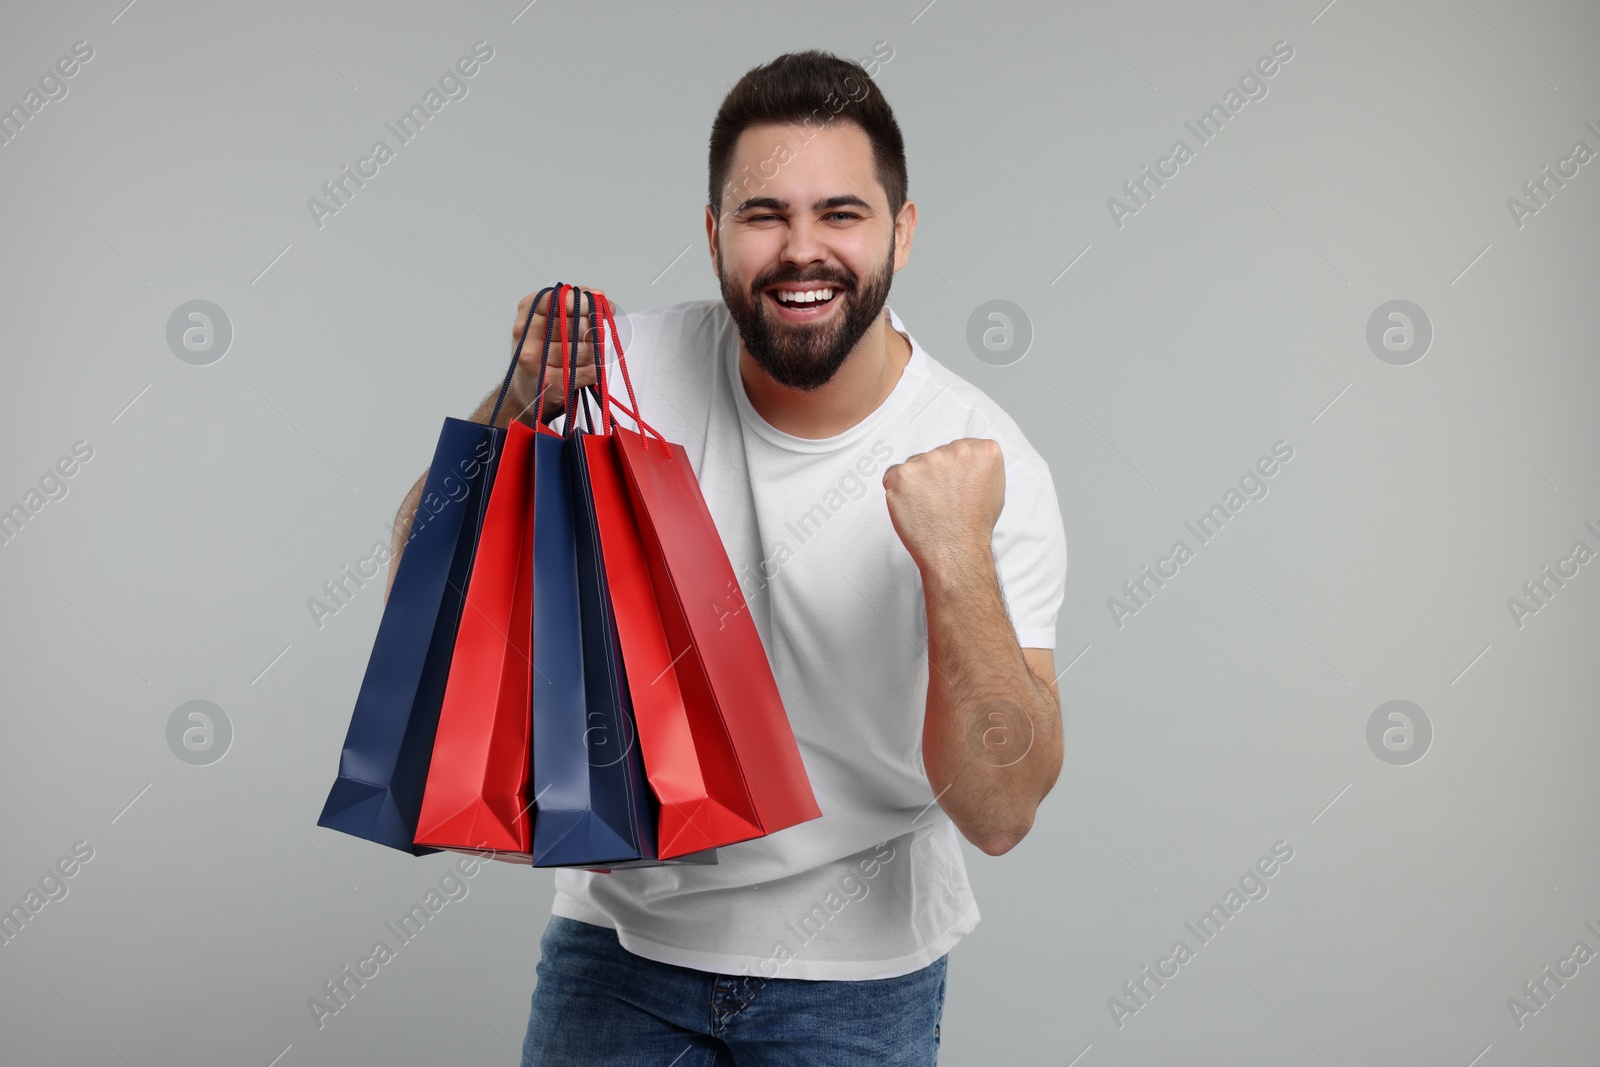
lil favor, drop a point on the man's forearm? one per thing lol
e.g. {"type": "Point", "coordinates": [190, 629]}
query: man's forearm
{"type": "Point", "coordinates": [991, 738]}
{"type": "Point", "coordinates": [518, 405]}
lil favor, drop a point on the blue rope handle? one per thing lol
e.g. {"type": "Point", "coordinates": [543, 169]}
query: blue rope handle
{"type": "Point", "coordinates": [516, 357]}
{"type": "Point", "coordinates": [574, 394]}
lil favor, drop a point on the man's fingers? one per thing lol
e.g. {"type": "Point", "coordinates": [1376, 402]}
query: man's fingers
{"type": "Point", "coordinates": [572, 302]}
{"type": "Point", "coordinates": [579, 349]}
{"type": "Point", "coordinates": [585, 376]}
{"type": "Point", "coordinates": [581, 325]}
{"type": "Point", "coordinates": [532, 354]}
{"type": "Point", "coordinates": [553, 390]}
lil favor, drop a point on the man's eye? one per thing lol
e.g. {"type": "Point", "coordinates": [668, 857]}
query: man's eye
{"type": "Point", "coordinates": [830, 215]}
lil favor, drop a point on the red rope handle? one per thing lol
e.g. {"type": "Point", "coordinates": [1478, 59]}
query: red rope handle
{"type": "Point", "coordinates": [561, 321]}
{"type": "Point", "coordinates": [603, 308]}
{"type": "Point", "coordinates": [569, 373]}
{"type": "Point", "coordinates": [626, 410]}
{"type": "Point", "coordinates": [607, 422]}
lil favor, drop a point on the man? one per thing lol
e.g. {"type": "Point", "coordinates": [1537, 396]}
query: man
{"type": "Point", "coordinates": [882, 515]}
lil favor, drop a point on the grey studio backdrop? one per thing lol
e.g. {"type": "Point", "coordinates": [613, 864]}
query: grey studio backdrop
{"type": "Point", "coordinates": [1425, 536]}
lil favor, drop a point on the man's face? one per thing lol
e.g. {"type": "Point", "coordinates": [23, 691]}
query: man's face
{"type": "Point", "coordinates": [804, 215]}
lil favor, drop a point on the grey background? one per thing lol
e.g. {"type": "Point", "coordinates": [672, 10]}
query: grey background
{"type": "Point", "coordinates": [1229, 313]}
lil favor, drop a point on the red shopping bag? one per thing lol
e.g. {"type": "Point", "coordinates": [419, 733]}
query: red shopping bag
{"type": "Point", "coordinates": [718, 749]}
{"type": "Point", "coordinates": [690, 817]}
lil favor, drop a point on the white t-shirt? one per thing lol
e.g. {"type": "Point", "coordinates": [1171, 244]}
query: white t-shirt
{"type": "Point", "coordinates": [876, 887]}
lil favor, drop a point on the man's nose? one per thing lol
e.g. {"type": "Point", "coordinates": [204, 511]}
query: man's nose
{"type": "Point", "coordinates": [804, 244]}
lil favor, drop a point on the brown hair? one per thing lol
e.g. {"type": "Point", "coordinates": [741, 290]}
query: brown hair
{"type": "Point", "coordinates": [810, 88]}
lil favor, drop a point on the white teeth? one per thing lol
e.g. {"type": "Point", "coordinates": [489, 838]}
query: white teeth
{"type": "Point", "coordinates": [809, 296]}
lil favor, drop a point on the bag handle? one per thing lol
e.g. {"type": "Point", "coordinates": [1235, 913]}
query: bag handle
{"type": "Point", "coordinates": [556, 292]}
{"type": "Point", "coordinates": [572, 394]}
{"type": "Point", "coordinates": [601, 389]}
{"type": "Point", "coordinates": [604, 316]}
{"type": "Point", "coordinates": [601, 313]}
{"type": "Point", "coordinates": [516, 357]}
{"type": "Point", "coordinates": [505, 386]}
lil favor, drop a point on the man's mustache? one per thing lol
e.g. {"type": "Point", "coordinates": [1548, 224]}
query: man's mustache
{"type": "Point", "coordinates": [837, 283]}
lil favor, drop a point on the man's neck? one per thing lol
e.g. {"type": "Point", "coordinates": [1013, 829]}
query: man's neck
{"type": "Point", "coordinates": [867, 377]}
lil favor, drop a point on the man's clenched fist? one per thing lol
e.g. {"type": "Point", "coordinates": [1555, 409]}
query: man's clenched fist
{"type": "Point", "coordinates": [526, 380]}
{"type": "Point", "coordinates": [944, 502]}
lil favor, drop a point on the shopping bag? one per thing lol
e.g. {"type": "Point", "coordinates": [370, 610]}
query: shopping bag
{"type": "Point", "coordinates": [384, 765]}
{"type": "Point", "coordinates": [720, 754]}
{"type": "Point", "coordinates": [688, 818]}
{"type": "Point", "coordinates": [594, 806]}
{"type": "Point", "coordinates": [476, 795]}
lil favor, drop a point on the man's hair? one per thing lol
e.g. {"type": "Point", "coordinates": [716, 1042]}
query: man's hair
{"type": "Point", "coordinates": [812, 88]}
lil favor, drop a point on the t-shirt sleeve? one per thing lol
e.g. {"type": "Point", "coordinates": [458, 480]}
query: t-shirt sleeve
{"type": "Point", "coordinates": [1030, 549]}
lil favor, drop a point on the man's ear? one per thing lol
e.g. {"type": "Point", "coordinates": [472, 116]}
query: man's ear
{"type": "Point", "coordinates": [905, 226]}
{"type": "Point", "coordinates": [711, 239]}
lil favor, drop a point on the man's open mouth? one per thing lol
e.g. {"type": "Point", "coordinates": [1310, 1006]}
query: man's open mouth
{"type": "Point", "coordinates": [803, 302]}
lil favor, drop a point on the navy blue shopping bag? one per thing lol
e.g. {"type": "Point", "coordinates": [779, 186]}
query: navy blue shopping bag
{"type": "Point", "coordinates": [383, 769]}
{"type": "Point", "coordinates": [384, 765]}
{"type": "Point", "coordinates": [590, 808]}
{"type": "Point", "coordinates": [584, 811]}
{"type": "Point", "coordinates": [595, 807]}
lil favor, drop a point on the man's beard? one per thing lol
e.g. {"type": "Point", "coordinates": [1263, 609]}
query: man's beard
{"type": "Point", "coordinates": [806, 356]}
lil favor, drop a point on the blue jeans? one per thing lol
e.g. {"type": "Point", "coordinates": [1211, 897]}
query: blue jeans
{"type": "Point", "coordinates": [598, 1004]}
